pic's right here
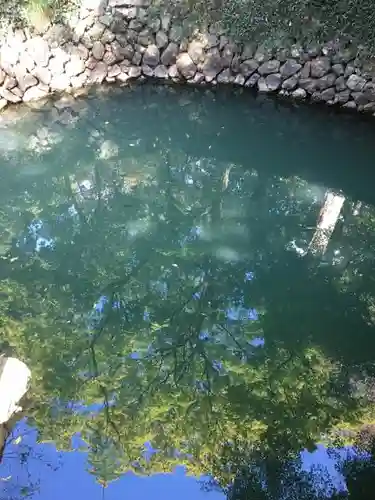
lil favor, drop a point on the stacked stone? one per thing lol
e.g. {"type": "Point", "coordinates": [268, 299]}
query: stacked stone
{"type": "Point", "coordinates": [122, 40]}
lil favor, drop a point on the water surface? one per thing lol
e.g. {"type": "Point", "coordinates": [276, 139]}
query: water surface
{"type": "Point", "coordinates": [158, 278]}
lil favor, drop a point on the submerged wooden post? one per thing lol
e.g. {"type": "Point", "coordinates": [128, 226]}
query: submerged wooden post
{"type": "Point", "coordinates": [328, 216]}
{"type": "Point", "coordinates": [14, 382]}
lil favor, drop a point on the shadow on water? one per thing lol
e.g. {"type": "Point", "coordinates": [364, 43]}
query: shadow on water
{"type": "Point", "coordinates": [158, 277]}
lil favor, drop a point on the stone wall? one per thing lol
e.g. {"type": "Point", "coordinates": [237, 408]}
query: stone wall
{"type": "Point", "coordinates": [121, 40]}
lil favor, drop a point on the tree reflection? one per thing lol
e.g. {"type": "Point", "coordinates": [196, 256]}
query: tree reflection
{"type": "Point", "coordinates": [168, 299]}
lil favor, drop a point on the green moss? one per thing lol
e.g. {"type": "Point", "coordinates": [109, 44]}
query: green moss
{"type": "Point", "coordinates": [310, 21]}
{"type": "Point", "coordinates": [31, 12]}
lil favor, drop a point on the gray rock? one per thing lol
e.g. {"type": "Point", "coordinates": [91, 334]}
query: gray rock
{"type": "Point", "coordinates": [161, 72]}
{"type": "Point", "coordinates": [106, 19]}
{"type": "Point", "coordinates": [308, 84]}
{"type": "Point", "coordinates": [60, 82]}
{"type": "Point", "coordinates": [290, 68]}
{"type": "Point", "coordinates": [316, 96]}
{"type": "Point", "coordinates": [196, 51]}
{"type": "Point", "coordinates": [79, 81]}
{"type": "Point", "coordinates": [114, 71]}
{"type": "Point", "coordinates": [9, 95]}
{"type": "Point", "coordinates": [198, 78]}
{"type": "Point", "coordinates": [173, 72]}
{"type": "Point", "coordinates": [248, 51]}
{"type": "Point", "coordinates": [248, 67]}
{"type": "Point", "coordinates": [369, 91]}
{"type": "Point", "coordinates": [99, 73]}
{"type": "Point", "coordinates": [283, 55]}
{"type": "Point", "coordinates": [151, 57]}
{"type": "Point", "coordinates": [368, 70]}
{"type": "Point", "coordinates": [34, 93]}
{"type": "Point", "coordinates": [320, 66]}
{"type": "Point", "coordinates": [252, 80]}
{"type": "Point", "coordinates": [137, 58]}
{"type": "Point", "coordinates": [239, 80]}
{"type": "Point", "coordinates": [119, 25]}
{"type": "Point", "coordinates": [273, 81]}
{"type": "Point", "coordinates": [57, 33]}
{"type": "Point", "coordinates": [269, 67]}
{"type": "Point", "coordinates": [169, 55]}
{"type": "Point", "coordinates": [355, 83]}
{"type": "Point", "coordinates": [134, 72]}
{"type": "Point", "coordinates": [261, 55]}
{"type": "Point", "coordinates": [56, 66]}
{"type": "Point", "coordinates": [299, 94]}
{"type": "Point", "coordinates": [79, 29]}
{"type": "Point", "coordinates": [369, 107]}
{"type": "Point", "coordinates": [212, 65]}
{"type": "Point", "coordinates": [27, 81]}
{"type": "Point", "coordinates": [110, 58]}
{"type": "Point", "coordinates": [227, 54]}
{"type": "Point", "coordinates": [98, 50]}
{"type": "Point", "coordinates": [107, 37]}
{"type": "Point", "coordinates": [147, 70]}
{"type": "Point", "coordinates": [349, 70]}
{"type": "Point", "coordinates": [350, 105]}
{"type": "Point", "coordinates": [117, 51]}
{"type": "Point", "coordinates": [186, 66]}
{"type": "Point", "coordinates": [328, 94]}
{"type": "Point", "coordinates": [39, 50]}
{"type": "Point", "coordinates": [80, 51]}
{"type": "Point", "coordinates": [165, 22]}
{"type": "Point", "coordinates": [359, 98]}
{"type": "Point", "coordinates": [225, 76]}
{"type": "Point", "coordinates": [340, 83]}
{"type": "Point", "coordinates": [60, 54]}
{"type": "Point", "coordinates": [91, 63]}
{"type": "Point", "coordinates": [10, 82]}
{"type": "Point", "coordinates": [27, 61]}
{"type": "Point", "coordinates": [306, 70]}
{"type": "Point", "coordinates": [342, 97]}
{"type": "Point", "coordinates": [3, 104]}
{"type": "Point", "coordinates": [236, 64]}
{"type": "Point", "coordinates": [123, 77]}
{"type": "Point", "coordinates": [210, 40]}
{"type": "Point", "coordinates": [326, 81]}
{"type": "Point", "coordinates": [136, 25]}
{"type": "Point", "coordinates": [296, 51]}
{"type": "Point", "coordinates": [161, 39]}
{"type": "Point", "coordinates": [96, 31]}
{"type": "Point", "coordinates": [17, 91]}
{"type": "Point", "coordinates": [224, 40]}
{"type": "Point", "coordinates": [175, 33]}
{"type": "Point", "coordinates": [290, 83]}
{"type": "Point", "coordinates": [262, 85]}
{"type": "Point", "coordinates": [75, 66]}
{"type": "Point", "coordinates": [131, 36]}
{"type": "Point", "coordinates": [128, 52]}
{"type": "Point", "coordinates": [313, 51]}
{"type": "Point", "coordinates": [338, 69]}
{"type": "Point", "coordinates": [153, 22]}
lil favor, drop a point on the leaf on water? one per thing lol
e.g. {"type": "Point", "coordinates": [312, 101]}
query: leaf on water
{"type": "Point", "coordinates": [17, 440]}
{"type": "Point", "coordinates": [4, 479]}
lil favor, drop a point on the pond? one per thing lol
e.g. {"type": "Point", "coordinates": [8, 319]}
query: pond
{"type": "Point", "coordinates": [189, 277]}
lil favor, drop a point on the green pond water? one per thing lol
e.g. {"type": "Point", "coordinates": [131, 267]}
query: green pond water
{"type": "Point", "coordinates": [160, 277]}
